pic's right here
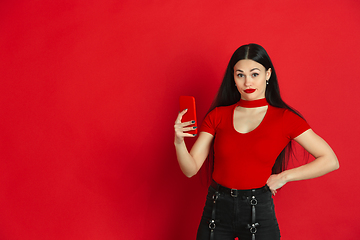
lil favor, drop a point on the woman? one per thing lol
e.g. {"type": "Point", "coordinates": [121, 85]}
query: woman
{"type": "Point", "coordinates": [249, 127]}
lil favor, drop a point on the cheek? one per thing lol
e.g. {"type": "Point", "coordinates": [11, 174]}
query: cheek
{"type": "Point", "coordinates": [239, 84]}
{"type": "Point", "coordinates": [238, 79]}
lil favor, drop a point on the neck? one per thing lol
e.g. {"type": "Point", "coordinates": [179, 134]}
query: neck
{"type": "Point", "coordinates": [253, 104]}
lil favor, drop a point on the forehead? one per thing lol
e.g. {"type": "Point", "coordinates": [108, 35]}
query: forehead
{"type": "Point", "coordinates": [247, 65]}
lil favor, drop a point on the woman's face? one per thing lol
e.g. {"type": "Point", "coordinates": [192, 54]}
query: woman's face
{"type": "Point", "coordinates": [250, 79]}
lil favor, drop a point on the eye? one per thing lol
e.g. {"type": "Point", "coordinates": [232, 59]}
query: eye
{"type": "Point", "coordinates": [255, 74]}
{"type": "Point", "coordinates": [240, 75]}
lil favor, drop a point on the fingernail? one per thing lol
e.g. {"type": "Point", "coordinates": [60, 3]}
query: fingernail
{"type": "Point", "coordinates": [194, 127]}
{"type": "Point", "coordinates": [194, 135]}
{"type": "Point", "coordinates": [192, 121]}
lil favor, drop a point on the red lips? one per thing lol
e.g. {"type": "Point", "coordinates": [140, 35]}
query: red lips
{"type": "Point", "coordinates": [249, 90]}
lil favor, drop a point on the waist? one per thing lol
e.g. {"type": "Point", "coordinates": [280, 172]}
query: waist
{"type": "Point", "coordinates": [239, 192]}
{"type": "Point", "coordinates": [241, 175]}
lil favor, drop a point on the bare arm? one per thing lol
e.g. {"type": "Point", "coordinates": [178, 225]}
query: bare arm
{"type": "Point", "coordinates": [325, 162]}
{"type": "Point", "coordinates": [190, 162]}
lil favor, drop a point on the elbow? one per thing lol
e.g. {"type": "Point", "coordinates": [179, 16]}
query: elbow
{"type": "Point", "coordinates": [190, 174]}
{"type": "Point", "coordinates": [190, 171]}
{"type": "Point", "coordinates": [335, 164]}
{"type": "Point", "coordinates": [187, 173]}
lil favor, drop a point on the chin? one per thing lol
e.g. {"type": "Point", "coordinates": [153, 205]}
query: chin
{"type": "Point", "coordinates": [251, 98]}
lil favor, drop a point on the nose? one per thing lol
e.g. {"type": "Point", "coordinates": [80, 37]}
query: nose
{"type": "Point", "coordinates": [247, 81]}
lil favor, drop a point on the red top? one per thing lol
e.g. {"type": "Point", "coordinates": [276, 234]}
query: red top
{"type": "Point", "coordinates": [245, 160]}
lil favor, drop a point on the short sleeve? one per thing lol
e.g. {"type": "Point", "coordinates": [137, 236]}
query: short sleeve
{"type": "Point", "coordinates": [294, 125]}
{"type": "Point", "coordinates": [210, 122]}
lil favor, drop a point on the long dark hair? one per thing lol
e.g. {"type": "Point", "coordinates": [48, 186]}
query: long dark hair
{"type": "Point", "coordinates": [228, 94]}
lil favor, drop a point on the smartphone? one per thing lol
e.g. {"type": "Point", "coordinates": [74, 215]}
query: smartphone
{"type": "Point", "coordinates": [188, 102]}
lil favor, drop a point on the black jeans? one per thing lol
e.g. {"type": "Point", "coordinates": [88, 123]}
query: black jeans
{"type": "Point", "coordinates": [233, 216]}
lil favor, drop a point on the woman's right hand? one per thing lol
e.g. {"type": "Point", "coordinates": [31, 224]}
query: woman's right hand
{"type": "Point", "coordinates": [181, 129]}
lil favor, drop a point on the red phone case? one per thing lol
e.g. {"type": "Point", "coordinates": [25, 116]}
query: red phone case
{"type": "Point", "coordinates": [188, 102]}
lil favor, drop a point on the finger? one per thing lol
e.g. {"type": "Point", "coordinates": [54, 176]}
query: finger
{"type": "Point", "coordinates": [183, 127]}
{"type": "Point", "coordinates": [273, 192]}
{"type": "Point", "coordinates": [180, 115]}
{"type": "Point", "coordinates": [185, 124]}
{"type": "Point", "coordinates": [186, 135]}
{"type": "Point", "coordinates": [189, 129]}
{"type": "Point", "coordinates": [179, 131]}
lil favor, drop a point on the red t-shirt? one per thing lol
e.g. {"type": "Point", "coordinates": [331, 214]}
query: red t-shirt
{"type": "Point", "coordinates": [245, 160]}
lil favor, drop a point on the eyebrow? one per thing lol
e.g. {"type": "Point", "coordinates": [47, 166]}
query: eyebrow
{"type": "Point", "coordinates": [250, 70]}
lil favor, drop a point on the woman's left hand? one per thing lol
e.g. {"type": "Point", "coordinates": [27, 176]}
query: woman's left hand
{"type": "Point", "coordinates": [274, 182]}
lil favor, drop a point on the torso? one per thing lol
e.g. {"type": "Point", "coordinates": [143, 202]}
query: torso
{"type": "Point", "coordinates": [248, 141]}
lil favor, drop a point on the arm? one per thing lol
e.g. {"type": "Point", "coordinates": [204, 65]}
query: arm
{"type": "Point", "coordinates": [190, 162]}
{"type": "Point", "coordinates": [325, 162]}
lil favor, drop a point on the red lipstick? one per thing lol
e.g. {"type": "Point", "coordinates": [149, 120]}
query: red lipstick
{"type": "Point", "coordinates": [249, 90]}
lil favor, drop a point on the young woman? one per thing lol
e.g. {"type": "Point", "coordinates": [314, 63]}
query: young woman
{"type": "Point", "coordinates": [249, 128]}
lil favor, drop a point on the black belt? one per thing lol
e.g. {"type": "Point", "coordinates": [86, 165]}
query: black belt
{"type": "Point", "coordinates": [238, 192]}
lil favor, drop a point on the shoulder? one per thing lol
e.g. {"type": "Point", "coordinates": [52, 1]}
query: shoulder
{"type": "Point", "coordinates": [219, 114]}
{"type": "Point", "coordinates": [284, 113]}
{"type": "Point", "coordinates": [292, 124]}
{"type": "Point", "coordinates": [222, 110]}
{"type": "Point", "coordinates": [290, 115]}
{"type": "Point", "coordinates": [213, 119]}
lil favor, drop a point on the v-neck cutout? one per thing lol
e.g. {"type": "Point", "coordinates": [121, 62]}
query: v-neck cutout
{"type": "Point", "coordinates": [252, 129]}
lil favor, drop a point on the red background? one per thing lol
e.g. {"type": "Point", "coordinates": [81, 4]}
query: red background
{"type": "Point", "coordinates": [89, 94]}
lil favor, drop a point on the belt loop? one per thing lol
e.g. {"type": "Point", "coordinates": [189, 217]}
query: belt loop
{"type": "Point", "coordinates": [234, 193]}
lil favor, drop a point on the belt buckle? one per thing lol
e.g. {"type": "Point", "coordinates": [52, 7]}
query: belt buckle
{"type": "Point", "coordinates": [234, 192]}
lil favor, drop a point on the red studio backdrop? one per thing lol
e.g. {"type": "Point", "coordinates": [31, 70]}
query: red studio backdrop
{"type": "Point", "coordinates": [89, 95]}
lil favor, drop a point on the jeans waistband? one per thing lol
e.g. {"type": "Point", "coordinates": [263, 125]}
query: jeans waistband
{"type": "Point", "coordinates": [239, 192]}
